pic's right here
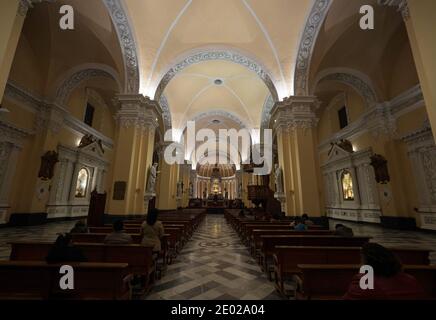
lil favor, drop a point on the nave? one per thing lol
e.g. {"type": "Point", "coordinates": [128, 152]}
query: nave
{"type": "Point", "coordinates": [214, 264]}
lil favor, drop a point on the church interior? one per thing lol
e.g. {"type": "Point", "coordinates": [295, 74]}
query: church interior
{"type": "Point", "coordinates": [96, 96]}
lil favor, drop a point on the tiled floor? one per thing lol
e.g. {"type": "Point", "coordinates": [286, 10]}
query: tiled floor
{"type": "Point", "coordinates": [214, 264]}
{"type": "Point", "coordinates": [47, 232]}
{"type": "Point", "coordinates": [394, 238]}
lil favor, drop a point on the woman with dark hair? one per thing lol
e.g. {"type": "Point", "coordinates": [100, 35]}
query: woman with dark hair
{"type": "Point", "coordinates": [152, 231]}
{"type": "Point", "coordinates": [390, 282]}
{"type": "Point", "coordinates": [64, 251]}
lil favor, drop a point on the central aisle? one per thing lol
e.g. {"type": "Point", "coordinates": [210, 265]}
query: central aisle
{"type": "Point", "coordinates": [214, 265]}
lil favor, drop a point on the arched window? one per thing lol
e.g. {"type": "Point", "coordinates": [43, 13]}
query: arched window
{"type": "Point", "coordinates": [82, 183]}
{"type": "Point", "coordinates": [347, 186]}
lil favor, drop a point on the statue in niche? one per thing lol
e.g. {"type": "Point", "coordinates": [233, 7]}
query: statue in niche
{"type": "Point", "coordinates": [191, 190]}
{"type": "Point", "coordinates": [380, 165]}
{"type": "Point", "coordinates": [226, 194]}
{"type": "Point", "coordinates": [179, 189]}
{"type": "Point", "coordinates": [48, 162]}
{"type": "Point", "coordinates": [279, 178]}
{"type": "Point", "coordinates": [346, 145]}
{"type": "Point", "coordinates": [152, 175]}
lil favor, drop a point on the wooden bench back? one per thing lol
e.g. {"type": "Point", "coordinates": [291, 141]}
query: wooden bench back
{"type": "Point", "coordinates": [332, 281]}
{"type": "Point", "coordinates": [33, 279]}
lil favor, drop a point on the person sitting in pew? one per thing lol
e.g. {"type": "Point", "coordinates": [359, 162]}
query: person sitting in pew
{"type": "Point", "coordinates": [80, 227]}
{"type": "Point", "coordinates": [343, 231]}
{"type": "Point", "coordinates": [241, 214]}
{"type": "Point", "coordinates": [276, 217]}
{"type": "Point", "coordinates": [64, 251]}
{"type": "Point", "coordinates": [118, 236]}
{"type": "Point", "coordinates": [299, 224]}
{"type": "Point", "coordinates": [390, 282]}
{"type": "Point", "coordinates": [152, 231]}
{"type": "Point", "coordinates": [306, 220]}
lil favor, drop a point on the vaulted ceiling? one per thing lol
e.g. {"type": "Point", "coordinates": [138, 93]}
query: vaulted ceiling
{"type": "Point", "coordinates": [264, 33]}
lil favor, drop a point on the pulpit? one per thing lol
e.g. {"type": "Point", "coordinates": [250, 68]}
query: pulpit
{"type": "Point", "coordinates": [96, 209]}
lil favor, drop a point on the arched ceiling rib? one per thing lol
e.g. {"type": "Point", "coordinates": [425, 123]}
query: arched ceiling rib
{"type": "Point", "coordinates": [268, 30]}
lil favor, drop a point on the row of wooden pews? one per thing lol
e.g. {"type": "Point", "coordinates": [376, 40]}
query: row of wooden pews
{"type": "Point", "coordinates": [322, 263]}
{"type": "Point", "coordinates": [110, 268]}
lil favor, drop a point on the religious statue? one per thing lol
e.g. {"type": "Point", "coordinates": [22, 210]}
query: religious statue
{"type": "Point", "coordinates": [179, 189]}
{"type": "Point", "coordinates": [226, 194]}
{"type": "Point", "coordinates": [204, 194]}
{"type": "Point", "coordinates": [380, 165]}
{"type": "Point", "coordinates": [279, 179]}
{"type": "Point", "coordinates": [191, 190]}
{"type": "Point", "coordinates": [152, 175]}
{"type": "Point", "coordinates": [48, 162]}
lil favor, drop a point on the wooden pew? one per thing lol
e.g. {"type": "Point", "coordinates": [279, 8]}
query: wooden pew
{"type": "Point", "coordinates": [39, 280]}
{"type": "Point", "coordinates": [256, 241]}
{"type": "Point", "coordinates": [322, 282]}
{"type": "Point", "coordinates": [287, 259]}
{"type": "Point", "coordinates": [270, 242]}
{"type": "Point", "coordinates": [98, 237]}
{"type": "Point", "coordinates": [139, 258]}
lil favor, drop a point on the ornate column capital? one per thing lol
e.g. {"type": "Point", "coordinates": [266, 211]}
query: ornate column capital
{"type": "Point", "coordinates": [402, 6]}
{"type": "Point", "coordinates": [137, 111]}
{"type": "Point", "coordinates": [297, 112]}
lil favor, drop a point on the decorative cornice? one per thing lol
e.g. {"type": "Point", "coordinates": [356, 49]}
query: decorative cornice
{"type": "Point", "coordinates": [380, 119]}
{"type": "Point", "coordinates": [296, 113]}
{"type": "Point", "coordinates": [79, 155]}
{"type": "Point", "coordinates": [402, 6]}
{"type": "Point", "coordinates": [41, 109]}
{"type": "Point", "coordinates": [127, 43]}
{"type": "Point", "coordinates": [212, 55]}
{"type": "Point", "coordinates": [75, 124]}
{"type": "Point", "coordinates": [307, 44]}
{"type": "Point", "coordinates": [137, 111]}
{"type": "Point", "coordinates": [12, 134]}
{"type": "Point", "coordinates": [422, 137]}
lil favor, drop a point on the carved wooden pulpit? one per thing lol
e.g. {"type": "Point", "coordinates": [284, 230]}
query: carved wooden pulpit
{"type": "Point", "coordinates": [96, 209]}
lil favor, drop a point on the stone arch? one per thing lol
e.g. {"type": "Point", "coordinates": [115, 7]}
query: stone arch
{"type": "Point", "coordinates": [127, 42]}
{"type": "Point", "coordinates": [75, 76]}
{"type": "Point", "coordinates": [353, 78]}
{"type": "Point", "coordinates": [307, 44]}
{"type": "Point", "coordinates": [216, 54]}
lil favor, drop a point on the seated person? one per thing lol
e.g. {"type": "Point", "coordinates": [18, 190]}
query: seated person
{"type": "Point", "coordinates": [390, 282]}
{"type": "Point", "coordinates": [118, 236]}
{"type": "Point", "coordinates": [306, 220]}
{"type": "Point", "coordinates": [152, 231]}
{"type": "Point", "coordinates": [241, 214]}
{"type": "Point", "coordinates": [343, 231]}
{"type": "Point", "coordinates": [64, 251]}
{"type": "Point", "coordinates": [299, 224]}
{"type": "Point", "coordinates": [80, 227]}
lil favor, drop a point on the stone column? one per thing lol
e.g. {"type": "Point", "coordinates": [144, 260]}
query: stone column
{"type": "Point", "coordinates": [295, 122]}
{"type": "Point", "coordinates": [136, 125]}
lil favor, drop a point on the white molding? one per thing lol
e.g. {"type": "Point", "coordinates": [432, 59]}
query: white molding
{"type": "Point", "coordinates": [37, 106]}
{"type": "Point", "coordinates": [379, 119]}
